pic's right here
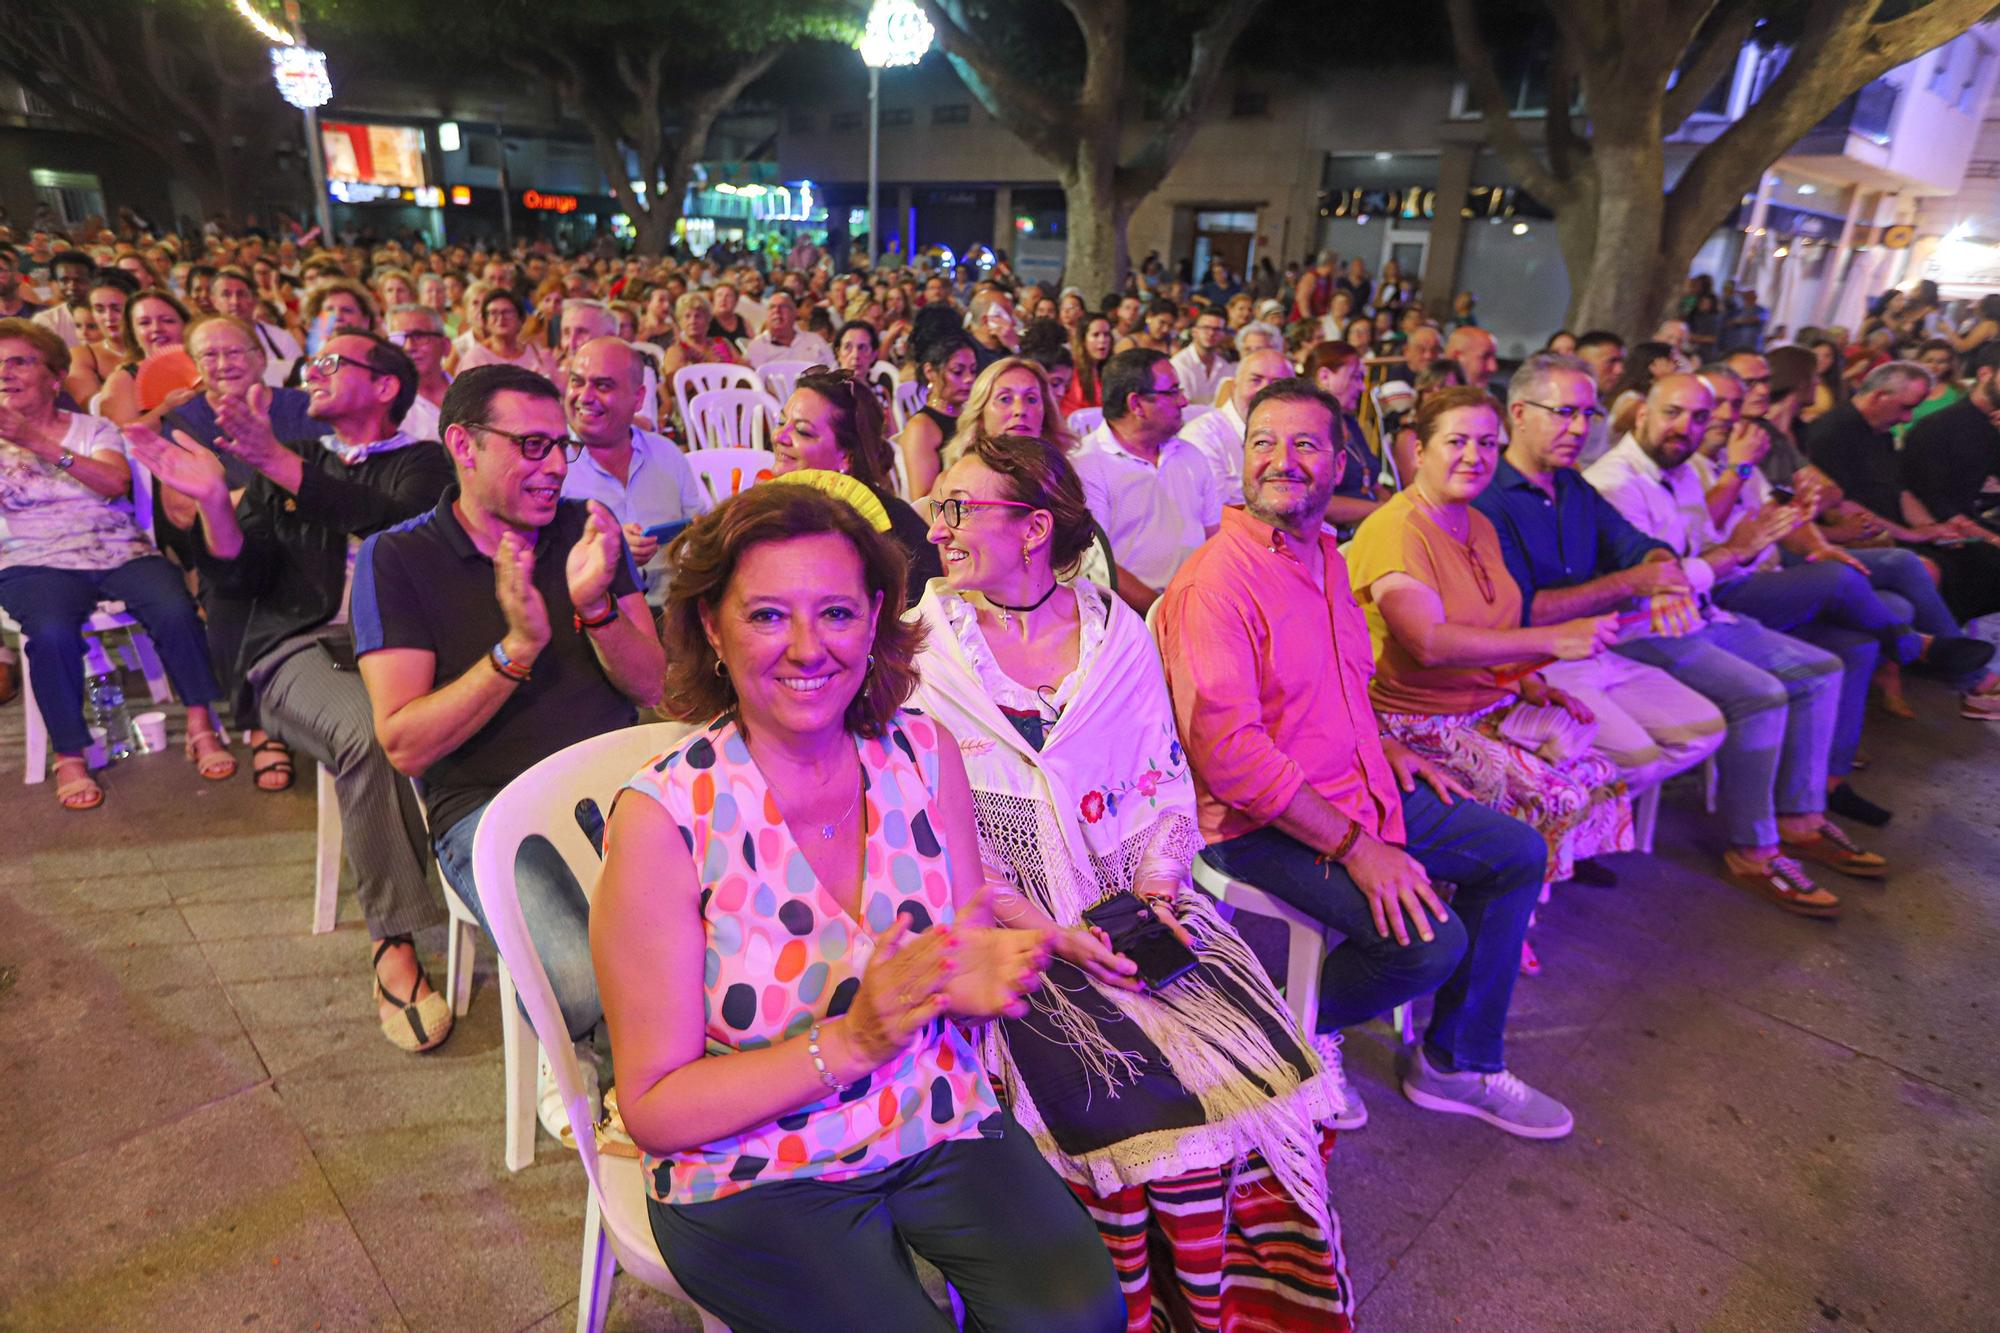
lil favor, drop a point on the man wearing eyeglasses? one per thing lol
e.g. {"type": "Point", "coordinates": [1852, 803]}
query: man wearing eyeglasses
{"type": "Point", "coordinates": [1200, 365]}
{"type": "Point", "coordinates": [419, 331]}
{"type": "Point", "coordinates": [1152, 492]}
{"type": "Point", "coordinates": [287, 549]}
{"type": "Point", "coordinates": [501, 627]}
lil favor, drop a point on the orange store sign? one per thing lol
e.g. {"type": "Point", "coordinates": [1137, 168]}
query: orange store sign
{"type": "Point", "coordinates": [549, 203]}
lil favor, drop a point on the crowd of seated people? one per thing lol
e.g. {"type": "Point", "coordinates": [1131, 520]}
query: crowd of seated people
{"type": "Point", "coordinates": [1278, 582]}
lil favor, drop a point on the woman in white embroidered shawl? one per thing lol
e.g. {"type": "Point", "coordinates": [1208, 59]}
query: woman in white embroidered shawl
{"type": "Point", "coordinates": [1192, 1110]}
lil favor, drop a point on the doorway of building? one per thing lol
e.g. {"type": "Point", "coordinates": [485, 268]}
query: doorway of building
{"type": "Point", "coordinates": [1407, 248]}
{"type": "Point", "coordinates": [1228, 235]}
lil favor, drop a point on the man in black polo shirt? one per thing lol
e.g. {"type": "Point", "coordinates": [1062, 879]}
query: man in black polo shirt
{"type": "Point", "coordinates": [1852, 445]}
{"type": "Point", "coordinates": [1950, 455]}
{"type": "Point", "coordinates": [505, 625]}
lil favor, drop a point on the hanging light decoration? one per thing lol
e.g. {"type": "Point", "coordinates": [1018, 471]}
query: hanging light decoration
{"type": "Point", "coordinates": [300, 73]}
{"type": "Point", "coordinates": [897, 34]}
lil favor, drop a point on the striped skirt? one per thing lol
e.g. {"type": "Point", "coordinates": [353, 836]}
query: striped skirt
{"type": "Point", "coordinates": [1245, 1259]}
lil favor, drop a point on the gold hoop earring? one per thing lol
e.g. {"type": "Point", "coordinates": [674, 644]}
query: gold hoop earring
{"type": "Point", "coordinates": [719, 670]}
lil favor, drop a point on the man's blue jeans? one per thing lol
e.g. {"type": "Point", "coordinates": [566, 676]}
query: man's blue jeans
{"type": "Point", "coordinates": [1831, 606]}
{"type": "Point", "coordinates": [1496, 862]}
{"type": "Point", "coordinates": [552, 904]}
{"type": "Point", "coordinates": [1781, 699]}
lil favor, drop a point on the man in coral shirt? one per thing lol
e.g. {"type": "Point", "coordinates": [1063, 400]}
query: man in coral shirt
{"type": "Point", "coordinates": [1300, 794]}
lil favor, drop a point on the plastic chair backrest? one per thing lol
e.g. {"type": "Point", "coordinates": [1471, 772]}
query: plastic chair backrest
{"type": "Point", "coordinates": [544, 802]}
{"type": "Point", "coordinates": [909, 397]}
{"type": "Point", "coordinates": [884, 375]}
{"type": "Point", "coordinates": [1085, 420]}
{"type": "Point", "coordinates": [780, 376]}
{"type": "Point", "coordinates": [692, 380]}
{"type": "Point", "coordinates": [725, 472]}
{"type": "Point", "coordinates": [730, 419]}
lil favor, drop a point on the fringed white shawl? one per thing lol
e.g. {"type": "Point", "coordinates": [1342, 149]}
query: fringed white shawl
{"type": "Point", "coordinates": [1069, 826]}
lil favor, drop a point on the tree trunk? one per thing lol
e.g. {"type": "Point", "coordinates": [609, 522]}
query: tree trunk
{"type": "Point", "coordinates": [1614, 249]}
{"type": "Point", "coordinates": [652, 228]}
{"type": "Point", "coordinates": [1096, 258]}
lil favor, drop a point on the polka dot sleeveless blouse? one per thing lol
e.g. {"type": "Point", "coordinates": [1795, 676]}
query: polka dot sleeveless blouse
{"type": "Point", "coordinates": [781, 953]}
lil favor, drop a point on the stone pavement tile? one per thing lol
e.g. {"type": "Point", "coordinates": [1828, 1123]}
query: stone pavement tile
{"type": "Point", "coordinates": [1791, 1153]}
{"type": "Point", "coordinates": [105, 893]}
{"type": "Point", "coordinates": [1504, 1254]}
{"type": "Point", "coordinates": [100, 858]}
{"type": "Point", "coordinates": [289, 878]}
{"type": "Point", "coordinates": [220, 1219]}
{"type": "Point", "coordinates": [413, 1147]}
{"type": "Point", "coordinates": [248, 918]}
{"type": "Point", "coordinates": [105, 1032]}
{"type": "Point", "coordinates": [257, 849]}
{"type": "Point", "coordinates": [635, 1308]}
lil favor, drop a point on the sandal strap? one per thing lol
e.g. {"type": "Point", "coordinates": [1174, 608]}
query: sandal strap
{"type": "Point", "coordinates": [408, 1002]}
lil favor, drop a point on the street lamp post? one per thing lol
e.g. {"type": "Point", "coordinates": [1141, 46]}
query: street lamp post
{"type": "Point", "coordinates": [898, 34]}
{"type": "Point", "coordinates": [300, 73]}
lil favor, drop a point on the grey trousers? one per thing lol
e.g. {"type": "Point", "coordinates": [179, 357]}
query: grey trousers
{"type": "Point", "coordinates": [323, 714]}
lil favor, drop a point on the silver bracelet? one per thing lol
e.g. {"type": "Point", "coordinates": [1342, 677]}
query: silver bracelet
{"type": "Point", "coordinates": [819, 1061]}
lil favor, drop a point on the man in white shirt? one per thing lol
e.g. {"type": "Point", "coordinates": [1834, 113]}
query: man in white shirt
{"type": "Point", "coordinates": [69, 282]}
{"type": "Point", "coordinates": [234, 292]}
{"type": "Point", "coordinates": [783, 339]}
{"type": "Point", "coordinates": [1779, 695]}
{"type": "Point", "coordinates": [750, 297]}
{"type": "Point", "coordinates": [1152, 492]}
{"type": "Point", "coordinates": [638, 475]}
{"type": "Point", "coordinates": [1201, 366]}
{"type": "Point", "coordinates": [1218, 436]}
{"type": "Point", "coordinates": [419, 331]}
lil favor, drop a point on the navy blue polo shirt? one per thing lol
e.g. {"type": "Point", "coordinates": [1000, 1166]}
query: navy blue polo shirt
{"type": "Point", "coordinates": [1558, 543]}
{"type": "Point", "coordinates": [424, 585]}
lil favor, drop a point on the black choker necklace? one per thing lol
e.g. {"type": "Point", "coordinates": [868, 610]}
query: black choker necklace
{"type": "Point", "coordinates": [1003, 608]}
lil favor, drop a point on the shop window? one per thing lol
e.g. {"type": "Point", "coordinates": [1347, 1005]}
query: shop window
{"type": "Point", "coordinates": [897, 118]}
{"type": "Point", "coordinates": [845, 122]}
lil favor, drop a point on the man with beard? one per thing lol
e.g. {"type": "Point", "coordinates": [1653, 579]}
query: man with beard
{"type": "Point", "coordinates": [287, 548]}
{"type": "Point", "coordinates": [1299, 792]}
{"type": "Point", "coordinates": [1779, 696]}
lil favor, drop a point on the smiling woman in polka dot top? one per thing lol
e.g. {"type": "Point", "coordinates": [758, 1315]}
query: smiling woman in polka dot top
{"type": "Point", "coordinates": [789, 932]}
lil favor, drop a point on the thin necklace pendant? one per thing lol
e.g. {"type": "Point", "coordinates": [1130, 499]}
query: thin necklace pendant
{"type": "Point", "coordinates": [826, 832]}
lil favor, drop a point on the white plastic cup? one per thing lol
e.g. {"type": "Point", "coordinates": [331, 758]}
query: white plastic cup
{"type": "Point", "coordinates": [151, 729]}
{"type": "Point", "coordinates": [95, 756]}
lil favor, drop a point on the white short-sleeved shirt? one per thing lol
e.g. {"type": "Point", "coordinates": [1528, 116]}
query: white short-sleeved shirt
{"type": "Point", "coordinates": [806, 347]}
{"type": "Point", "coordinates": [61, 320]}
{"type": "Point", "coordinates": [1667, 506]}
{"type": "Point", "coordinates": [51, 520]}
{"type": "Point", "coordinates": [659, 487]}
{"type": "Point", "coordinates": [1156, 514]}
{"type": "Point", "coordinates": [421, 421]}
{"type": "Point", "coordinates": [281, 353]}
{"type": "Point", "coordinates": [1218, 437]}
{"type": "Point", "coordinates": [1198, 382]}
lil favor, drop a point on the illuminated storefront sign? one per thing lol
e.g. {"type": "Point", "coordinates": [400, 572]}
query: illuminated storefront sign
{"type": "Point", "coordinates": [374, 154]}
{"type": "Point", "coordinates": [542, 202]}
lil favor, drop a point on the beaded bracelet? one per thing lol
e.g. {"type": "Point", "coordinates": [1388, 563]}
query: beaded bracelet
{"type": "Point", "coordinates": [819, 1062]}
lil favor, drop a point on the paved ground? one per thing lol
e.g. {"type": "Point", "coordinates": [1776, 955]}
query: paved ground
{"type": "Point", "coordinates": [1782, 1124]}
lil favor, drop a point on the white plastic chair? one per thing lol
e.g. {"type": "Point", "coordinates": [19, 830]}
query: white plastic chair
{"type": "Point", "coordinates": [909, 397]}
{"type": "Point", "coordinates": [1307, 945]}
{"type": "Point", "coordinates": [781, 376]}
{"type": "Point", "coordinates": [1085, 420]}
{"type": "Point", "coordinates": [883, 376]}
{"type": "Point", "coordinates": [542, 802]}
{"type": "Point", "coordinates": [692, 380]}
{"type": "Point", "coordinates": [724, 472]}
{"type": "Point", "coordinates": [730, 419]}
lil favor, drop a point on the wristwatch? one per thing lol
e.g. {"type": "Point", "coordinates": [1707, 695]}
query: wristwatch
{"type": "Point", "coordinates": [1744, 470]}
{"type": "Point", "coordinates": [64, 459]}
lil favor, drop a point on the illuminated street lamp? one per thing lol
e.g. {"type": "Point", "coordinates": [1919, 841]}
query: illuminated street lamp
{"type": "Point", "coordinates": [300, 73]}
{"type": "Point", "coordinates": [898, 34]}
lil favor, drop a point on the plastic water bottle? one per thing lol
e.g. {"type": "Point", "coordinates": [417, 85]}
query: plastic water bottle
{"type": "Point", "coordinates": [105, 704]}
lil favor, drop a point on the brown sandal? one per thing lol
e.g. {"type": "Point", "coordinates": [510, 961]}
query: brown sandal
{"type": "Point", "coordinates": [218, 765]}
{"type": "Point", "coordinates": [84, 787]}
{"type": "Point", "coordinates": [421, 1024]}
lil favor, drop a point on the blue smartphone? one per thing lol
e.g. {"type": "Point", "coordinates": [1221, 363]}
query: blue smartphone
{"type": "Point", "coordinates": [661, 532]}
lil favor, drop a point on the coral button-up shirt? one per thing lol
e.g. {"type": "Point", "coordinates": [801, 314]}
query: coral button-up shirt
{"type": "Point", "coordinates": [1269, 673]}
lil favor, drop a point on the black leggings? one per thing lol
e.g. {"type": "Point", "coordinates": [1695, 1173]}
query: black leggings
{"type": "Point", "coordinates": [809, 1255]}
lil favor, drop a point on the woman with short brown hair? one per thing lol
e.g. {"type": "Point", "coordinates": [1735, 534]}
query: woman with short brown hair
{"type": "Point", "coordinates": [790, 903]}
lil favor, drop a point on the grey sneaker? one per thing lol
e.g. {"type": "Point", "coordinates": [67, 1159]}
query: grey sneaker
{"type": "Point", "coordinates": [1327, 1047]}
{"type": "Point", "coordinates": [1501, 1100]}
